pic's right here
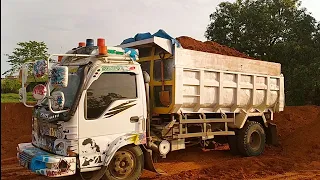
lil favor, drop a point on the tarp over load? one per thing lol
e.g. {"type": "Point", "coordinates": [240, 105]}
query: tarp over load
{"type": "Point", "coordinates": [192, 53]}
{"type": "Point", "coordinates": [142, 36]}
{"type": "Point", "coordinates": [189, 43]}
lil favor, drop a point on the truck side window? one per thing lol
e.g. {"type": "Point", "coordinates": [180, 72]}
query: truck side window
{"type": "Point", "coordinates": [145, 52]}
{"type": "Point", "coordinates": [145, 66]}
{"type": "Point", "coordinates": [168, 69]}
{"type": "Point", "coordinates": [107, 89]}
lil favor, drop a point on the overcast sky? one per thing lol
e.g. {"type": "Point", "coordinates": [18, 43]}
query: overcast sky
{"type": "Point", "coordinates": [61, 24]}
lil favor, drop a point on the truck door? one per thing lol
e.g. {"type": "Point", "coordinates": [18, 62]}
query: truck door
{"type": "Point", "coordinates": [113, 105]}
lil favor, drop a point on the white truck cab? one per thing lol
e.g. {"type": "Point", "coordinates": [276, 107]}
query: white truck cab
{"type": "Point", "coordinates": [103, 109]}
{"type": "Point", "coordinates": [105, 113]}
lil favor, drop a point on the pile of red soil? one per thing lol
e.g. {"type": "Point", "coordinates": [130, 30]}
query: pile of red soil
{"type": "Point", "coordinates": [209, 46]}
{"type": "Point", "coordinates": [15, 127]}
{"type": "Point", "coordinates": [294, 118]}
{"type": "Point", "coordinates": [299, 132]}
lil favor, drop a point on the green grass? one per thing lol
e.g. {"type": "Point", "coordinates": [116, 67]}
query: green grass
{"type": "Point", "coordinates": [36, 79]}
{"type": "Point", "coordinates": [14, 98]}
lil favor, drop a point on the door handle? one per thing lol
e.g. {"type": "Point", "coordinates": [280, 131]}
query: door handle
{"type": "Point", "coordinates": [134, 119]}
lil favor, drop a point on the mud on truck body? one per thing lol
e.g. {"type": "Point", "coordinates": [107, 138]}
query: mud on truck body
{"type": "Point", "coordinates": [108, 111]}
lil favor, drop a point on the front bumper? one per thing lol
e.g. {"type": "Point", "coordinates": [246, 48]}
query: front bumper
{"type": "Point", "coordinates": [44, 163]}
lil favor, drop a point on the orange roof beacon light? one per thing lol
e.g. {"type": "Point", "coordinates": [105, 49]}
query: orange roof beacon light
{"type": "Point", "coordinates": [102, 46]}
{"type": "Point", "coordinates": [101, 42]}
{"type": "Point", "coordinates": [82, 44]}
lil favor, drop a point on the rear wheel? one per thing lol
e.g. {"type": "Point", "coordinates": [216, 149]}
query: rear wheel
{"type": "Point", "coordinates": [251, 139]}
{"type": "Point", "coordinates": [126, 164]}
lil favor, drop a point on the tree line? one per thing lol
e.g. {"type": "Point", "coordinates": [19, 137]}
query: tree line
{"type": "Point", "coordinates": [274, 30]}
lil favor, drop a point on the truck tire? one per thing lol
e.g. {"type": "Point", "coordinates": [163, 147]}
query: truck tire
{"type": "Point", "coordinates": [126, 164]}
{"type": "Point", "coordinates": [251, 139]}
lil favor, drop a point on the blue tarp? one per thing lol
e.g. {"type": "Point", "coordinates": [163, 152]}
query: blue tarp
{"type": "Point", "coordinates": [142, 36]}
{"type": "Point", "coordinates": [133, 53]}
{"type": "Point", "coordinates": [129, 40]}
{"type": "Point", "coordinates": [161, 33]}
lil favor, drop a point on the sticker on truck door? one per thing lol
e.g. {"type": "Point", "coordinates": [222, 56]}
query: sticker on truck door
{"type": "Point", "coordinates": [52, 132]}
{"type": "Point", "coordinates": [117, 68]}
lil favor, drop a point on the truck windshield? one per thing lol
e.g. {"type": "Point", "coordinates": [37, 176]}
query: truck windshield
{"type": "Point", "coordinates": [71, 90]}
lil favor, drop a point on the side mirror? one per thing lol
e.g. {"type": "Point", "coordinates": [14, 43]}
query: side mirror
{"type": "Point", "coordinates": [58, 100]}
{"type": "Point", "coordinates": [59, 76]}
{"type": "Point", "coordinates": [39, 92]}
{"type": "Point", "coordinates": [40, 68]}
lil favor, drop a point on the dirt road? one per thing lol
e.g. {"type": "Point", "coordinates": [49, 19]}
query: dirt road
{"type": "Point", "coordinates": [297, 157]}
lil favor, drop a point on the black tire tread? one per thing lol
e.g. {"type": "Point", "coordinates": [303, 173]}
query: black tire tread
{"type": "Point", "coordinates": [243, 135]}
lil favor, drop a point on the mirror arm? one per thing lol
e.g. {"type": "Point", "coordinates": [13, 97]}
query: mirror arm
{"type": "Point", "coordinates": [24, 91]}
{"type": "Point", "coordinates": [24, 80]}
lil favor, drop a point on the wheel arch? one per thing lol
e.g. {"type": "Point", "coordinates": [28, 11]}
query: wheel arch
{"type": "Point", "coordinates": [260, 119]}
{"type": "Point", "coordinates": [244, 116]}
{"type": "Point", "coordinates": [120, 142]}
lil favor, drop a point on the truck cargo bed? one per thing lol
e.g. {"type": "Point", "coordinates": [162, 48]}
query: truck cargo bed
{"type": "Point", "coordinates": [200, 82]}
{"type": "Point", "coordinates": [197, 59]}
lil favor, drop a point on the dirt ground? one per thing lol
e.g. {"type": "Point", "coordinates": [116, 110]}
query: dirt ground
{"type": "Point", "coordinates": [297, 156]}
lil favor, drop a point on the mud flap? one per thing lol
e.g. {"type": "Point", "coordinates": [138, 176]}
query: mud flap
{"type": "Point", "coordinates": [148, 161]}
{"type": "Point", "coordinates": [272, 134]}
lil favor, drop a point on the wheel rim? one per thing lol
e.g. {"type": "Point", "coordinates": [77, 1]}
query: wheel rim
{"type": "Point", "coordinates": [255, 140]}
{"type": "Point", "coordinates": [122, 165]}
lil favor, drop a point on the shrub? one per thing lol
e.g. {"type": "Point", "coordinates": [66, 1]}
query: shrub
{"type": "Point", "coordinates": [10, 85]}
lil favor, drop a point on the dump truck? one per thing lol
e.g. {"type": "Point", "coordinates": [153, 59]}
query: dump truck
{"type": "Point", "coordinates": [109, 112]}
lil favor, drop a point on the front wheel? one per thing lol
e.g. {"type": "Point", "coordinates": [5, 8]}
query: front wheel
{"type": "Point", "coordinates": [126, 164]}
{"type": "Point", "coordinates": [251, 139]}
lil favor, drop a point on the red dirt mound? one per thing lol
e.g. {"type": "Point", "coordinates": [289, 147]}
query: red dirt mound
{"type": "Point", "coordinates": [15, 127]}
{"type": "Point", "coordinates": [299, 131]}
{"type": "Point", "coordinates": [209, 46]}
{"type": "Point", "coordinates": [293, 118]}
